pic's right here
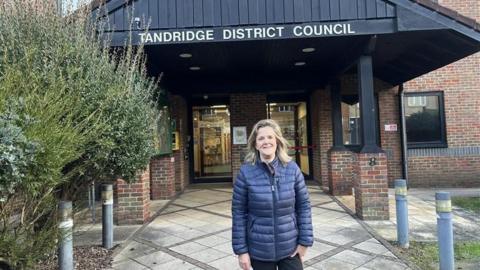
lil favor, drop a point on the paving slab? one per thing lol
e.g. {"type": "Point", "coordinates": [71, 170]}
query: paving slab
{"type": "Point", "coordinates": [91, 234]}
{"type": "Point", "coordinates": [380, 263]}
{"type": "Point", "coordinates": [155, 259]}
{"type": "Point", "coordinates": [194, 232]}
{"type": "Point", "coordinates": [176, 264]}
{"type": "Point", "coordinates": [334, 264]}
{"type": "Point", "coordinates": [423, 219]}
{"type": "Point", "coordinates": [188, 248]}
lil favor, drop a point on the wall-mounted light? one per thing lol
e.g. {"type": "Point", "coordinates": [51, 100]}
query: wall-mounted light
{"type": "Point", "coordinates": [194, 68]}
{"type": "Point", "coordinates": [137, 22]}
{"type": "Point", "coordinates": [299, 64]}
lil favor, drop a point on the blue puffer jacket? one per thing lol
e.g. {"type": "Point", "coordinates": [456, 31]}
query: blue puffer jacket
{"type": "Point", "coordinates": [271, 213]}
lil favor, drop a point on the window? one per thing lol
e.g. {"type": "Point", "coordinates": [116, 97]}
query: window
{"type": "Point", "coordinates": [351, 122]}
{"type": "Point", "coordinates": [425, 120]}
{"type": "Point", "coordinates": [419, 101]}
{"type": "Point", "coordinates": [286, 108]}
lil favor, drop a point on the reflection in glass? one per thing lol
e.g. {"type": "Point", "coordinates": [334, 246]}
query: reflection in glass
{"type": "Point", "coordinates": [292, 118]}
{"type": "Point", "coordinates": [351, 124]}
{"type": "Point", "coordinates": [211, 141]}
{"type": "Point", "coordinates": [422, 115]}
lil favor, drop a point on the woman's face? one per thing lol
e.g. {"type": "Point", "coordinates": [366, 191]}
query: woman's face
{"type": "Point", "coordinates": [266, 143]}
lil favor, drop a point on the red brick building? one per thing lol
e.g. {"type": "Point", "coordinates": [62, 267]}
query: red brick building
{"type": "Point", "coordinates": [365, 91]}
{"type": "Point", "coordinates": [457, 162]}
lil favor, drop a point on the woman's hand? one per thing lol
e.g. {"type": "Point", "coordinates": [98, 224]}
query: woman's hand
{"type": "Point", "coordinates": [301, 251]}
{"type": "Point", "coordinates": [244, 261]}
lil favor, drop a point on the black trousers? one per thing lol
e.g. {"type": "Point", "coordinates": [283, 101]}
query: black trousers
{"type": "Point", "coordinates": [289, 263]}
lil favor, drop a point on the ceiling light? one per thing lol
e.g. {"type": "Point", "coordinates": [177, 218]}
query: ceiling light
{"type": "Point", "coordinates": [185, 55]}
{"type": "Point", "coordinates": [194, 68]}
{"type": "Point", "coordinates": [308, 50]}
{"type": "Point", "coordinates": [298, 64]}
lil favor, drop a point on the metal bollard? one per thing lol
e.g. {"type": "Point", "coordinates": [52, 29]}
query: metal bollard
{"type": "Point", "coordinates": [402, 212]}
{"type": "Point", "coordinates": [445, 230]}
{"type": "Point", "coordinates": [94, 210]}
{"type": "Point", "coordinates": [65, 249]}
{"type": "Point", "coordinates": [107, 216]}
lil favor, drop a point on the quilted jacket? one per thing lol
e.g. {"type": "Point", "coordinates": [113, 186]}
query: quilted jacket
{"type": "Point", "coordinates": [271, 212]}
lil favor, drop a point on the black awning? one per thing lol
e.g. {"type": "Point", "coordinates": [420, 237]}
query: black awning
{"type": "Point", "coordinates": [264, 41]}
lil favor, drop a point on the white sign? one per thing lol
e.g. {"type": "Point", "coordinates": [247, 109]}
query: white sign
{"type": "Point", "coordinates": [391, 127]}
{"type": "Point", "coordinates": [239, 135]}
{"type": "Point", "coordinates": [248, 33]}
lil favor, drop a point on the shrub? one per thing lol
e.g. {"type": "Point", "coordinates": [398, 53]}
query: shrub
{"type": "Point", "coordinates": [72, 110]}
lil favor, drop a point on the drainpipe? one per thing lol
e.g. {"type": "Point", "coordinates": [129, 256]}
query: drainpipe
{"type": "Point", "coordinates": [403, 134]}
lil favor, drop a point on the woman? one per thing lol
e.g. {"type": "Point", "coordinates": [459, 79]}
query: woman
{"type": "Point", "coordinates": [272, 224]}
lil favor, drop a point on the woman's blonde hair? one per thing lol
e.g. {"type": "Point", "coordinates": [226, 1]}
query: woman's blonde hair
{"type": "Point", "coordinates": [282, 144]}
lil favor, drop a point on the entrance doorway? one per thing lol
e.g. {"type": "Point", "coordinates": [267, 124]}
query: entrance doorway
{"type": "Point", "coordinates": [211, 143]}
{"type": "Point", "coordinates": [292, 118]}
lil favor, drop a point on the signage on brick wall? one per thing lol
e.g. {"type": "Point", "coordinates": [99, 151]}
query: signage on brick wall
{"type": "Point", "coordinates": [391, 127]}
{"type": "Point", "coordinates": [239, 135]}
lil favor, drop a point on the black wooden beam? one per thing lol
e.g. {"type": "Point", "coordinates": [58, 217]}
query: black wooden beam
{"type": "Point", "coordinates": [336, 97]}
{"type": "Point", "coordinates": [367, 105]}
{"type": "Point", "coordinates": [350, 58]}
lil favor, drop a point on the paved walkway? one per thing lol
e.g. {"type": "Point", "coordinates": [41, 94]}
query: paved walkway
{"type": "Point", "coordinates": [423, 218]}
{"type": "Point", "coordinates": [194, 232]}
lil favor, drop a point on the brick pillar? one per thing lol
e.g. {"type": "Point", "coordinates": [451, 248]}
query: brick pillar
{"type": "Point", "coordinates": [245, 110]}
{"type": "Point", "coordinates": [325, 129]}
{"type": "Point", "coordinates": [340, 172]}
{"type": "Point", "coordinates": [133, 200]}
{"type": "Point", "coordinates": [371, 186]}
{"type": "Point", "coordinates": [179, 113]}
{"type": "Point", "coordinates": [162, 177]}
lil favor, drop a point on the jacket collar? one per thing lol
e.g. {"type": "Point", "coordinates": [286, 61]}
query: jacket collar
{"type": "Point", "coordinates": [272, 167]}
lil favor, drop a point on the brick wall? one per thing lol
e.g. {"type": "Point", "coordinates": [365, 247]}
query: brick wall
{"type": "Point", "coordinates": [444, 171]}
{"type": "Point", "coordinates": [132, 201]}
{"type": "Point", "coordinates": [316, 139]}
{"type": "Point", "coordinates": [469, 8]}
{"type": "Point", "coordinates": [460, 83]}
{"type": "Point", "coordinates": [162, 177]}
{"type": "Point", "coordinates": [340, 172]}
{"type": "Point", "coordinates": [179, 113]}
{"type": "Point", "coordinates": [325, 133]}
{"type": "Point", "coordinates": [246, 109]}
{"type": "Point", "coordinates": [389, 113]}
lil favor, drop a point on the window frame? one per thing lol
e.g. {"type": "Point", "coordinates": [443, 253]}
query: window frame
{"type": "Point", "coordinates": [442, 143]}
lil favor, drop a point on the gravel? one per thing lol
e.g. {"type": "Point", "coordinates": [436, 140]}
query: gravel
{"type": "Point", "coordinates": [85, 258]}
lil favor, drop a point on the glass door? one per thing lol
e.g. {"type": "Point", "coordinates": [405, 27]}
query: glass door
{"type": "Point", "coordinates": [292, 118]}
{"type": "Point", "coordinates": [211, 142]}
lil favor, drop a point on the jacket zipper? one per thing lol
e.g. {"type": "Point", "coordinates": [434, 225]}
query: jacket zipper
{"type": "Point", "coordinates": [273, 182]}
